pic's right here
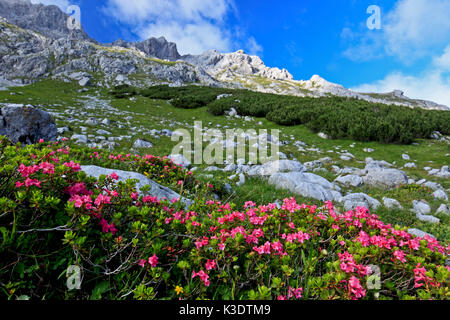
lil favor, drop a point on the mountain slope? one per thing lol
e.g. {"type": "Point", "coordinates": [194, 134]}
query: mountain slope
{"type": "Point", "coordinates": [35, 43]}
{"type": "Point", "coordinates": [29, 56]}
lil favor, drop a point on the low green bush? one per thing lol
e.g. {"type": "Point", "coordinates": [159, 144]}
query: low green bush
{"type": "Point", "coordinates": [338, 117]}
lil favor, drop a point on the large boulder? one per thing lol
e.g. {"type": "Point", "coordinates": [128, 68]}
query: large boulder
{"type": "Point", "coordinates": [139, 143]}
{"type": "Point", "coordinates": [350, 180]}
{"type": "Point", "coordinates": [421, 207]}
{"type": "Point", "coordinates": [384, 178]}
{"type": "Point", "coordinates": [306, 185]}
{"type": "Point", "coordinates": [391, 203]}
{"type": "Point", "coordinates": [278, 166]}
{"type": "Point", "coordinates": [353, 200]}
{"type": "Point", "coordinates": [26, 124]}
{"type": "Point", "coordinates": [156, 189]}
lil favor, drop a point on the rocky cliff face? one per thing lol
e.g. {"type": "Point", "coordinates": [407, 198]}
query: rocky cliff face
{"type": "Point", "coordinates": [229, 66]}
{"type": "Point", "coordinates": [47, 20]}
{"type": "Point", "coordinates": [154, 47]}
{"type": "Point", "coordinates": [28, 56]}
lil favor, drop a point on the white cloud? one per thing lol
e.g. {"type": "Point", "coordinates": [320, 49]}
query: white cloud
{"type": "Point", "coordinates": [414, 27]}
{"type": "Point", "coordinates": [63, 4]}
{"type": "Point", "coordinates": [253, 47]}
{"type": "Point", "coordinates": [195, 25]}
{"type": "Point", "coordinates": [190, 38]}
{"type": "Point", "coordinates": [443, 61]}
{"type": "Point", "coordinates": [412, 30]}
{"type": "Point", "coordinates": [433, 85]}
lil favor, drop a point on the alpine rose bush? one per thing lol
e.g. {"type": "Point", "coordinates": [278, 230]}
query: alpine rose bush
{"type": "Point", "coordinates": [135, 246]}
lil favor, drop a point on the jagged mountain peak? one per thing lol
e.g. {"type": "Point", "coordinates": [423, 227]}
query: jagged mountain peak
{"type": "Point", "coordinates": [234, 65]}
{"type": "Point", "coordinates": [50, 20]}
{"type": "Point", "coordinates": [154, 47]}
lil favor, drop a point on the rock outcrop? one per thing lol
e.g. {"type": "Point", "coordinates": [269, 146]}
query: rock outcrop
{"type": "Point", "coordinates": [26, 124]}
{"type": "Point", "coordinates": [229, 66]}
{"type": "Point", "coordinates": [156, 190]}
{"type": "Point", "coordinates": [153, 47]}
{"type": "Point", "coordinates": [47, 20]}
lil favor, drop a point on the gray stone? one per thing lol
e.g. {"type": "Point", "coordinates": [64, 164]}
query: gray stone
{"type": "Point", "coordinates": [428, 218]}
{"type": "Point", "coordinates": [156, 190]}
{"type": "Point", "coordinates": [307, 185]}
{"type": "Point", "coordinates": [385, 178]}
{"type": "Point", "coordinates": [92, 121]}
{"type": "Point", "coordinates": [212, 168]}
{"type": "Point", "coordinates": [421, 207]}
{"type": "Point", "coordinates": [420, 233]}
{"type": "Point", "coordinates": [277, 166]}
{"type": "Point", "coordinates": [180, 160]}
{"type": "Point", "coordinates": [391, 203]}
{"type": "Point", "coordinates": [26, 124]}
{"type": "Point", "coordinates": [139, 143]}
{"type": "Point", "coordinates": [103, 132]}
{"type": "Point", "coordinates": [80, 138]}
{"type": "Point", "coordinates": [440, 194]}
{"type": "Point", "coordinates": [353, 200]}
{"type": "Point", "coordinates": [62, 130]}
{"type": "Point", "coordinates": [443, 208]}
{"type": "Point", "coordinates": [241, 180]}
{"type": "Point", "coordinates": [350, 181]}
{"type": "Point", "coordinates": [230, 168]}
{"type": "Point", "coordinates": [84, 82]}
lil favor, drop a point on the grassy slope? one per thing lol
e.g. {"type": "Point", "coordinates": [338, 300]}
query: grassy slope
{"type": "Point", "coordinates": [153, 114]}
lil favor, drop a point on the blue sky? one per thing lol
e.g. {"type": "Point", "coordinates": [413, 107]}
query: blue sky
{"type": "Point", "coordinates": [410, 52]}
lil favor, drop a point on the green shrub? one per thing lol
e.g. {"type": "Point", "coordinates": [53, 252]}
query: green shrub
{"type": "Point", "coordinates": [338, 117]}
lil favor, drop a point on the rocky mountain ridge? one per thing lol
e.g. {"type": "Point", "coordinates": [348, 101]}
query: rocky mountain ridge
{"type": "Point", "coordinates": [35, 43]}
{"type": "Point", "coordinates": [50, 20]}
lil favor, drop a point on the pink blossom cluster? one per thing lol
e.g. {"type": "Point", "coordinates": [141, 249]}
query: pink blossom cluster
{"type": "Point", "coordinates": [421, 279]}
{"type": "Point", "coordinates": [349, 265]}
{"type": "Point", "coordinates": [203, 276]}
{"type": "Point", "coordinates": [152, 261]}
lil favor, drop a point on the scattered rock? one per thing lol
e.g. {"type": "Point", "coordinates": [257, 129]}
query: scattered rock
{"type": "Point", "coordinates": [353, 200]}
{"type": "Point", "coordinates": [84, 82]}
{"type": "Point", "coordinates": [156, 190]}
{"type": "Point", "coordinates": [421, 207]}
{"type": "Point", "coordinates": [323, 135]}
{"type": "Point", "coordinates": [139, 143]}
{"type": "Point", "coordinates": [428, 218]}
{"type": "Point", "coordinates": [443, 208]}
{"type": "Point", "coordinates": [307, 185]}
{"type": "Point", "coordinates": [440, 194]}
{"type": "Point", "coordinates": [419, 233]}
{"type": "Point", "coordinates": [350, 180]}
{"type": "Point", "coordinates": [391, 203]}
{"type": "Point", "coordinates": [80, 138]}
{"type": "Point", "coordinates": [180, 160]}
{"type": "Point", "coordinates": [277, 166]}
{"type": "Point", "coordinates": [380, 176]}
{"type": "Point", "coordinates": [92, 122]}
